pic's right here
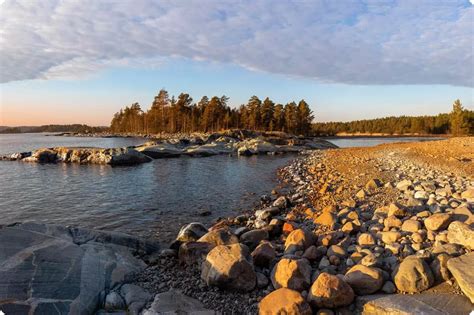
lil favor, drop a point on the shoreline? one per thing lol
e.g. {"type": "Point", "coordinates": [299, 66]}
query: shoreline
{"type": "Point", "coordinates": [334, 217]}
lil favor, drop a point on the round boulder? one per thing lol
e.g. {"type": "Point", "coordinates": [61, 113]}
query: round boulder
{"type": "Point", "coordinates": [330, 291]}
{"type": "Point", "coordinates": [284, 301]}
{"type": "Point", "coordinates": [364, 280]}
{"type": "Point", "coordinates": [413, 275]}
{"type": "Point", "coordinates": [292, 273]}
{"type": "Point", "coordinates": [229, 267]}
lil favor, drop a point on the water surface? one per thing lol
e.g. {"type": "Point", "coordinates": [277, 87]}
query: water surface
{"type": "Point", "coordinates": [151, 200]}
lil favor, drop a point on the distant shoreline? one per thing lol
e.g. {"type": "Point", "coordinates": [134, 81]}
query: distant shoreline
{"type": "Point", "coordinates": [157, 136]}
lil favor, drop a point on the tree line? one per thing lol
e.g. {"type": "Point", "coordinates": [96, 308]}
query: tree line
{"type": "Point", "coordinates": [459, 121]}
{"type": "Point", "coordinates": [172, 115]}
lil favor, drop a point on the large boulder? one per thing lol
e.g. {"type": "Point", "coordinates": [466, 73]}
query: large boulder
{"type": "Point", "coordinates": [413, 275]}
{"type": "Point", "coordinates": [284, 301]}
{"type": "Point", "coordinates": [48, 267]}
{"type": "Point", "coordinates": [229, 267]}
{"type": "Point", "coordinates": [292, 273]}
{"type": "Point", "coordinates": [330, 291]}
{"type": "Point", "coordinates": [364, 280]}
{"type": "Point", "coordinates": [462, 234]}
{"type": "Point", "coordinates": [462, 269]}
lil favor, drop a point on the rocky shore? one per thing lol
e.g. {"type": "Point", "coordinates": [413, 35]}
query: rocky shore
{"type": "Point", "coordinates": [359, 229]}
{"type": "Point", "coordinates": [382, 230]}
{"type": "Point", "coordinates": [232, 142]}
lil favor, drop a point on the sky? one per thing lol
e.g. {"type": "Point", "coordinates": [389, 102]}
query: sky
{"type": "Point", "coordinates": [80, 61]}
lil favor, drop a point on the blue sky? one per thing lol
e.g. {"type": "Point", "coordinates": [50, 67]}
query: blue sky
{"type": "Point", "coordinates": [80, 61]}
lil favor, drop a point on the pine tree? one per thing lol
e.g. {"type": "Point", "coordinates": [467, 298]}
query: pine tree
{"type": "Point", "coordinates": [458, 120]}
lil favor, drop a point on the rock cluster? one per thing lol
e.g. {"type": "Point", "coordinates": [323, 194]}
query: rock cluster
{"type": "Point", "coordinates": [324, 246]}
{"type": "Point", "coordinates": [197, 146]}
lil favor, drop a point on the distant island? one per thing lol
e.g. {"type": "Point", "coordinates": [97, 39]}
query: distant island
{"type": "Point", "coordinates": [75, 128]}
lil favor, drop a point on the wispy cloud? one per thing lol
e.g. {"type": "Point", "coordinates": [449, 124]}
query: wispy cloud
{"type": "Point", "coordinates": [354, 42]}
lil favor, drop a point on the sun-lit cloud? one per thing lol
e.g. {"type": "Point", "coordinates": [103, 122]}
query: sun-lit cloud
{"type": "Point", "coordinates": [353, 42]}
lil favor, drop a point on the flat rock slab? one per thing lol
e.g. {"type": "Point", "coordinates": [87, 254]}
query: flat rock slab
{"type": "Point", "coordinates": [174, 302]}
{"type": "Point", "coordinates": [420, 304]}
{"type": "Point", "coordinates": [48, 269]}
{"type": "Point", "coordinates": [462, 269]}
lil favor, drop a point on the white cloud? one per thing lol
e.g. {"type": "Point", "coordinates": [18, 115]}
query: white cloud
{"type": "Point", "coordinates": [354, 42]}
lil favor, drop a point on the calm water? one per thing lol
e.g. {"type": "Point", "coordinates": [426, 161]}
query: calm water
{"type": "Point", "coordinates": [369, 142]}
{"type": "Point", "coordinates": [152, 199]}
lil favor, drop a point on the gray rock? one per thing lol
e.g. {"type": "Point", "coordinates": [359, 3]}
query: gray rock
{"type": "Point", "coordinates": [48, 267]}
{"type": "Point", "coordinates": [135, 297]}
{"type": "Point", "coordinates": [113, 301]}
{"type": "Point", "coordinates": [422, 304]}
{"type": "Point", "coordinates": [175, 303]}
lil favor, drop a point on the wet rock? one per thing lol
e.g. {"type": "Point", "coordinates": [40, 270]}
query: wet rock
{"type": "Point", "coordinates": [330, 291]}
{"type": "Point", "coordinates": [292, 273]}
{"type": "Point", "coordinates": [461, 233]}
{"type": "Point", "coordinates": [191, 232]}
{"type": "Point", "coordinates": [284, 301]}
{"type": "Point", "coordinates": [229, 267]}
{"type": "Point", "coordinates": [364, 280]}
{"type": "Point", "coordinates": [462, 270]}
{"type": "Point", "coordinates": [413, 275]}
